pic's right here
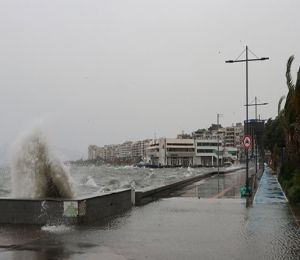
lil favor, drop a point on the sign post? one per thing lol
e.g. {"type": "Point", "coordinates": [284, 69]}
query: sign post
{"type": "Point", "coordinates": [245, 190]}
{"type": "Point", "coordinates": [247, 141]}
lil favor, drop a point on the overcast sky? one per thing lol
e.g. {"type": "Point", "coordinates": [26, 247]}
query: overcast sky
{"type": "Point", "coordinates": [106, 71]}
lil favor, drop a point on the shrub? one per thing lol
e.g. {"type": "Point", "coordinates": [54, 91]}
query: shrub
{"type": "Point", "coordinates": [294, 193]}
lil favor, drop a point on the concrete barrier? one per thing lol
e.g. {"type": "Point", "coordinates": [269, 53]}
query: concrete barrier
{"type": "Point", "coordinates": [84, 211]}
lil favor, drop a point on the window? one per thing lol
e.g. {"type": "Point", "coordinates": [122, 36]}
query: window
{"type": "Point", "coordinates": [180, 144]}
{"type": "Point", "coordinates": [205, 150]}
{"type": "Point", "coordinates": [180, 150]}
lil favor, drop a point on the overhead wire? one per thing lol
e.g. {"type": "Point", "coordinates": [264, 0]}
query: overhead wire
{"type": "Point", "coordinates": [240, 54]}
{"type": "Point", "coordinates": [253, 53]}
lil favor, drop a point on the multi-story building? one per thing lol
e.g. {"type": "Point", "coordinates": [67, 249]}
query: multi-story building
{"type": "Point", "coordinates": [206, 151]}
{"type": "Point", "coordinates": [108, 152]}
{"type": "Point", "coordinates": [230, 154]}
{"type": "Point", "coordinates": [139, 150]}
{"type": "Point", "coordinates": [125, 150]}
{"type": "Point", "coordinates": [233, 137]}
{"type": "Point", "coordinates": [179, 152]}
{"type": "Point", "coordinates": [199, 149]}
{"type": "Point", "coordinates": [229, 137]}
{"type": "Point", "coordinates": [101, 153]}
{"type": "Point", "coordinates": [92, 152]}
{"type": "Point", "coordinates": [111, 152]}
{"type": "Point", "coordinates": [239, 135]}
{"type": "Point", "coordinates": [156, 153]}
{"type": "Point", "coordinates": [171, 152]}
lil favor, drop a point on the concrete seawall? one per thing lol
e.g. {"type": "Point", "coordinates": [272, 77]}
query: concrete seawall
{"type": "Point", "coordinates": [59, 211]}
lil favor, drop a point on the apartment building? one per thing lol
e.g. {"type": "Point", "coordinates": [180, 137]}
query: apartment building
{"type": "Point", "coordinates": [125, 150]}
{"type": "Point", "coordinates": [92, 152]}
{"type": "Point", "coordinates": [139, 150]}
{"type": "Point", "coordinates": [198, 149]}
{"type": "Point", "coordinates": [111, 152]}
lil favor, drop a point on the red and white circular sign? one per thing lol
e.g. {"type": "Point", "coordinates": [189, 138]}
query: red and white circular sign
{"type": "Point", "coordinates": [247, 141]}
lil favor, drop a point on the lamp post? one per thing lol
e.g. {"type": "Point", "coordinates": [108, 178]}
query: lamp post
{"type": "Point", "coordinates": [247, 127]}
{"type": "Point", "coordinates": [218, 117]}
{"type": "Point", "coordinates": [256, 104]}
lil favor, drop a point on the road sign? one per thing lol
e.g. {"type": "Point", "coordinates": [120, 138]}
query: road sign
{"type": "Point", "coordinates": [247, 141]}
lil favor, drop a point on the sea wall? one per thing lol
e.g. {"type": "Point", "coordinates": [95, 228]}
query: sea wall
{"type": "Point", "coordinates": [86, 210]}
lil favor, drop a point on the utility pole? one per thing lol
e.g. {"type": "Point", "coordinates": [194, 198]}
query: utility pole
{"type": "Point", "coordinates": [218, 117]}
{"type": "Point", "coordinates": [247, 123]}
{"type": "Point", "coordinates": [256, 104]}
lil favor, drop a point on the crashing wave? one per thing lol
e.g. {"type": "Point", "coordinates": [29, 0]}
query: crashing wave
{"type": "Point", "coordinates": [36, 172]}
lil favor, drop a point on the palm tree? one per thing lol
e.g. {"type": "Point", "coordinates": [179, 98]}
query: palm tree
{"type": "Point", "coordinates": [292, 110]}
{"type": "Point", "coordinates": [297, 123]}
{"type": "Point", "coordinates": [279, 104]}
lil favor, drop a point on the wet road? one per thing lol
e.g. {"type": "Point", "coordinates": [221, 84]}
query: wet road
{"type": "Point", "coordinates": [222, 186]}
{"type": "Point", "coordinates": [182, 227]}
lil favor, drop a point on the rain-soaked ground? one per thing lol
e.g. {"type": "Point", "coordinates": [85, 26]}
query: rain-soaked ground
{"type": "Point", "coordinates": [269, 190]}
{"type": "Point", "coordinates": [206, 220]}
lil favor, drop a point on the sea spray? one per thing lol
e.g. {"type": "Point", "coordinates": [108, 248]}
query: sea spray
{"type": "Point", "coordinates": [36, 172]}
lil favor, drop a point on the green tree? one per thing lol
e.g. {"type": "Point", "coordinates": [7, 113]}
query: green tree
{"type": "Point", "coordinates": [292, 111]}
{"type": "Point", "coordinates": [283, 133]}
{"type": "Point", "coordinates": [290, 120]}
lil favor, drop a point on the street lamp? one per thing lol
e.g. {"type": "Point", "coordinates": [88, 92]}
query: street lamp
{"type": "Point", "coordinates": [218, 134]}
{"type": "Point", "coordinates": [247, 130]}
{"type": "Point", "coordinates": [255, 129]}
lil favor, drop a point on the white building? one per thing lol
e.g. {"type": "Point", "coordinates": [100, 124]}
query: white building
{"type": "Point", "coordinates": [206, 151]}
{"type": "Point", "coordinates": [230, 154]}
{"type": "Point", "coordinates": [198, 149]}
{"type": "Point", "coordinates": [180, 152]}
{"type": "Point", "coordinates": [156, 152]}
{"type": "Point", "coordinates": [171, 152]}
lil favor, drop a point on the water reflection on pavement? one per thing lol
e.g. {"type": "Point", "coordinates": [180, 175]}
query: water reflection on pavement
{"type": "Point", "coordinates": [222, 186]}
{"type": "Point", "coordinates": [174, 228]}
{"type": "Point", "coordinates": [269, 190]}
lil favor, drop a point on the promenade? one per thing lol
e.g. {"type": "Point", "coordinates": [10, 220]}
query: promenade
{"type": "Point", "coordinates": [201, 221]}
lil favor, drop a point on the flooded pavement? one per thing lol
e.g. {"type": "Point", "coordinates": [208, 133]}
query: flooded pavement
{"type": "Point", "coordinates": [222, 186]}
{"type": "Point", "coordinates": [173, 228]}
{"type": "Point", "coordinates": [181, 227]}
{"type": "Point", "coordinates": [269, 190]}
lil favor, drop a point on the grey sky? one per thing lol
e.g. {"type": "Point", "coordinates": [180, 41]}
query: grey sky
{"type": "Point", "coordinates": [100, 72]}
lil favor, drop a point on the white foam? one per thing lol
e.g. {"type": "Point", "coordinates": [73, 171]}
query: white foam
{"type": "Point", "coordinates": [36, 172]}
{"type": "Point", "coordinates": [91, 182]}
{"type": "Point", "coordinates": [57, 229]}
